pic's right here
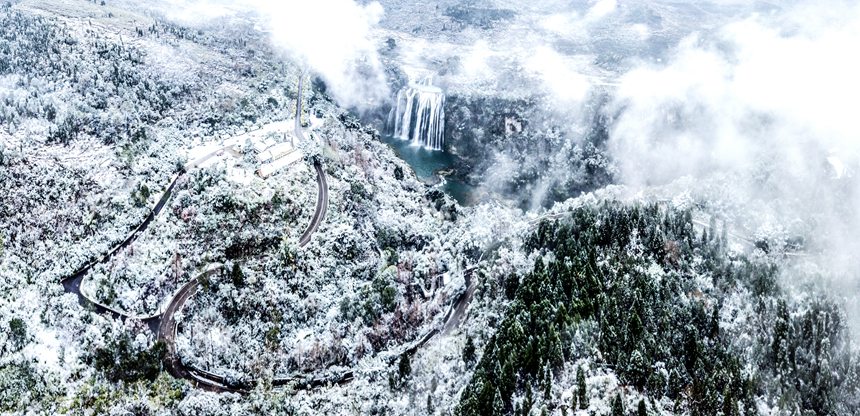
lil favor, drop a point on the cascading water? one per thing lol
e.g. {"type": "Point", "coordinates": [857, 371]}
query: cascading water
{"type": "Point", "coordinates": [419, 115]}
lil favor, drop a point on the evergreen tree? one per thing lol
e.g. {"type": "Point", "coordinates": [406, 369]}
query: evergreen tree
{"type": "Point", "coordinates": [528, 402]}
{"type": "Point", "coordinates": [712, 226]}
{"type": "Point", "coordinates": [780, 344]}
{"type": "Point", "coordinates": [581, 388]}
{"type": "Point", "coordinates": [638, 368]}
{"type": "Point", "coordinates": [237, 276]}
{"type": "Point", "coordinates": [750, 408]}
{"type": "Point", "coordinates": [404, 368]}
{"type": "Point", "coordinates": [617, 406]}
{"type": "Point", "coordinates": [547, 384]}
{"type": "Point", "coordinates": [469, 350]}
{"type": "Point", "coordinates": [507, 381]}
{"type": "Point", "coordinates": [715, 323]}
{"type": "Point", "coordinates": [730, 406]}
{"type": "Point", "coordinates": [822, 402]}
{"type": "Point", "coordinates": [17, 333]}
{"type": "Point", "coordinates": [642, 410]}
{"type": "Point", "coordinates": [595, 278]}
{"type": "Point", "coordinates": [498, 404]}
{"type": "Point", "coordinates": [556, 356]}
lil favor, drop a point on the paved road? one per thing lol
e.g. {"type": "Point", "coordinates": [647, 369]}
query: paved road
{"type": "Point", "coordinates": [72, 283]}
{"type": "Point", "coordinates": [168, 327]}
{"type": "Point", "coordinates": [322, 206]}
{"type": "Point", "coordinates": [215, 382]}
{"type": "Point", "coordinates": [167, 335]}
{"type": "Point", "coordinates": [165, 325]}
{"type": "Point", "coordinates": [209, 381]}
{"type": "Point", "coordinates": [452, 318]}
{"type": "Point", "coordinates": [322, 184]}
{"type": "Point", "coordinates": [458, 308]}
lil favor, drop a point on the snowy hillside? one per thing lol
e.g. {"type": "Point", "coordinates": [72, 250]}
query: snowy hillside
{"type": "Point", "coordinates": [341, 207]}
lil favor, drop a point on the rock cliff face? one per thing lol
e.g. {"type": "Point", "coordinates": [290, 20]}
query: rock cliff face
{"type": "Point", "coordinates": [418, 115]}
{"type": "Point", "coordinates": [515, 150]}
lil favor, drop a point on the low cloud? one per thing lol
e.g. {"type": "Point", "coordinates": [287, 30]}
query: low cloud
{"type": "Point", "coordinates": [769, 103]}
{"type": "Point", "coordinates": [755, 95]}
{"type": "Point", "coordinates": [558, 76]}
{"type": "Point", "coordinates": [331, 38]}
{"type": "Point", "coordinates": [600, 9]}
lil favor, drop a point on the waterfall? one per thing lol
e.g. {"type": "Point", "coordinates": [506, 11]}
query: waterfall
{"type": "Point", "coordinates": [419, 115]}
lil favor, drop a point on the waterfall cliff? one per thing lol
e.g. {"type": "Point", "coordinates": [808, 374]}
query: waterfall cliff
{"type": "Point", "coordinates": [419, 115]}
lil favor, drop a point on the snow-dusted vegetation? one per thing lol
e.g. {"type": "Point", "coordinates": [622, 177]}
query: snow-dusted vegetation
{"type": "Point", "coordinates": [619, 208]}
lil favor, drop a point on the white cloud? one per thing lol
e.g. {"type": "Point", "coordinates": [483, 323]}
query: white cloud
{"type": "Point", "coordinates": [333, 38]}
{"type": "Point", "coordinates": [476, 64]}
{"type": "Point", "coordinates": [642, 32]}
{"type": "Point", "coordinates": [555, 71]}
{"type": "Point", "coordinates": [192, 12]}
{"type": "Point", "coordinates": [571, 24]}
{"type": "Point", "coordinates": [601, 9]}
{"type": "Point", "coordinates": [564, 24]}
{"type": "Point", "coordinates": [769, 102]}
{"type": "Point", "coordinates": [752, 91]}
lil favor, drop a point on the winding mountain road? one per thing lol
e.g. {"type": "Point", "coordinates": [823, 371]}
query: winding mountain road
{"type": "Point", "coordinates": [165, 324]}
{"type": "Point", "coordinates": [214, 382]}
{"type": "Point", "coordinates": [322, 185]}
{"type": "Point", "coordinates": [168, 328]}
{"type": "Point", "coordinates": [322, 206]}
{"type": "Point", "coordinates": [73, 282]}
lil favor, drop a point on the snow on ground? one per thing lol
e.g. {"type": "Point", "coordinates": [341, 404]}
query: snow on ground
{"type": "Point", "coordinates": [272, 146]}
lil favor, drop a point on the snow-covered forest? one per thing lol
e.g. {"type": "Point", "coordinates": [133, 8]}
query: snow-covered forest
{"type": "Point", "coordinates": [619, 208]}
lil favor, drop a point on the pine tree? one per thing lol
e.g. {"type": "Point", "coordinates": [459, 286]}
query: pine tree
{"type": "Point", "coordinates": [469, 350]}
{"type": "Point", "coordinates": [237, 276]}
{"type": "Point", "coordinates": [712, 225]}
{"type": "Point", "coordinates": [547, 384]}
{"type": "Point", "coordinates": [529, 401]}
{"type": "Point", "coordinates": [507, 381]}
{"type": "Point", "coordinates": [822, 401]}
{"type": "Point", "coordinates": [404, 368]}
{"type": "Point", "coordinates": [556, 356]}
{"type": "Point", "coordinates": [642, 410]}
{"type": "Point", "coordinates": [17, 333]}
{"type": "Point", "coordinates": [498, 404]}
{"type": "Point", "coordinates": [715, 323]}
{"type": "Point", "coordinates": [617, 406]}
{"type": "Point", "coordinates": [429, 404]}
{"type": "Point", "coordinates": [750, 408]}
{"type": "Point", "coordinates": [638, 368]}
{"type": "Point", "coordinates": [781, 328]}
{"type": "Point", "coordinates": [730, 406]}
{"type": "Point", "coordinates": [562, 318]}
{"type": "Point", "coordinates": [581, 388]}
